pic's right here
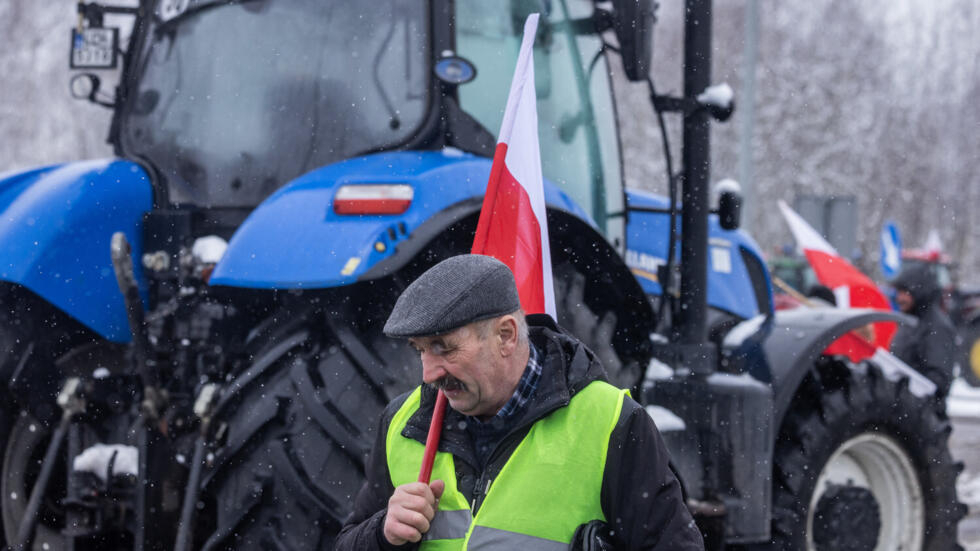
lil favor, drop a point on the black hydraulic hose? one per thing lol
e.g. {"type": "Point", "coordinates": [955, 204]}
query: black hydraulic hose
{"type": "Point", "coordinates": [186, 527]}
{"type": "Point", "coordinates": [154, 399]}
{"type": "Point", "coordinates": [204, 408]}
{"type": "Point", "coordinates": [672, 193]}
{"type": "Point", "coordinates": [122, 264]}
{"type": "Point", "coordinates": [25, 532]}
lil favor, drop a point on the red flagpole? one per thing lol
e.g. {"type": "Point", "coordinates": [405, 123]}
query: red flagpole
{"type": "Point", "coordinates": [432, 442]}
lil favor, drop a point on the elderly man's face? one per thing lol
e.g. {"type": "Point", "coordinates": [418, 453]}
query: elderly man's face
{"type": "Point", "coordinates": [466, 365]}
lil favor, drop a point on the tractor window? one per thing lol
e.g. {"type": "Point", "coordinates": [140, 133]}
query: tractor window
{"type": "Point", "coordinates": [576, 118]}
{"type": "Point", "coordinates": [235, 100]}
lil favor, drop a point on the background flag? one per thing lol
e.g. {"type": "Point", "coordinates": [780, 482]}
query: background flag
{"type": "Point", "coordinates": [851, 287]}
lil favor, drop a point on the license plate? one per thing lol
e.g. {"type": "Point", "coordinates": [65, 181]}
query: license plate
{"type": "Point", "coordinates": [94, 48]}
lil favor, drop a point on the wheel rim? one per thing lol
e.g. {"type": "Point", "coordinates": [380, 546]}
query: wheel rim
{"type": "Point", "coordinates": [879, 464]}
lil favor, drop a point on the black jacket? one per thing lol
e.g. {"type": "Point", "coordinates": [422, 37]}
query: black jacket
{"type": "Point", "coordinates": [930, 345]}
{"type": "Point", "coordinates": [641, 498]}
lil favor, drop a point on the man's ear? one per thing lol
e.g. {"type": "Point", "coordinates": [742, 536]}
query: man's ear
{"type": "Point", "coordinates": [506, 334]}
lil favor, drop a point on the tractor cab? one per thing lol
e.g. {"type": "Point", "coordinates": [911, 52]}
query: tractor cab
{"type": "Point", "coordinates": [226, 102]}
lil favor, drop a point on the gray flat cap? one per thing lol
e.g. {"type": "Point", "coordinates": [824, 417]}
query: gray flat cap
{"type": "Point", "coordinates": [457, 291]}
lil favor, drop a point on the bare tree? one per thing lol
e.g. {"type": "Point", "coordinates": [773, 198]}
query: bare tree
{"type": "Point", "coordinates": [871, 99]}
{"type": "Point", "coordinates": [875, 99]}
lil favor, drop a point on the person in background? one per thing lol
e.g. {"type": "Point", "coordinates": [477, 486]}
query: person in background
{"type": "Point", "coordinates": [929, 346]}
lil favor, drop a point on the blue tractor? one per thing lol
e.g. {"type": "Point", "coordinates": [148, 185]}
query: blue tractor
{"type": "Point", "coordinates": [190, 344]}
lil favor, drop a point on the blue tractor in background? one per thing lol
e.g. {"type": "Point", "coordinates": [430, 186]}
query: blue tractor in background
{"type": "Point", "coordinates": [190, 339]}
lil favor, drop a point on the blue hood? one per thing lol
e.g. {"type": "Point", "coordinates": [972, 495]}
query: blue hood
{"type": "Point", "coordinates": [56, 223]}
{"type": "Point", "coordinates": [294, 239]}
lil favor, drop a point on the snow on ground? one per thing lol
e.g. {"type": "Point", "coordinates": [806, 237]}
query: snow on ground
{"type": "Point", "coordinates": [963, 401]}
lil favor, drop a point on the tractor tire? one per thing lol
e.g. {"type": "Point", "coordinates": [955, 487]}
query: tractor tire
{"type": "Point", "coordinates": [22, 459]}
{"type": "Point", "coordinates": [300, 420]}
{"type": "Point", "coordinates": [860, 464]}
{"type": "Point", "coordinates": [12, 346]}
{"type": "Point", "coordinates": [970, 357]}
{"type": "Point", "coordinates": [595, 330]}
{"type": "Point", "coordinates": [23, 439]}
{"type": "Point", "coordinates": [299, 425]}
{"type": "Point", "coordinates": [34, 339]}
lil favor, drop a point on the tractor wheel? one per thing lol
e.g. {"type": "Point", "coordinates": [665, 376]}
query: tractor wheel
{"type": "Point", "coordinates": [861, 464]}
{"type": "Point", "coordinates": [595, 330]}
{"type": "Point", "coordinates": [299, 425]}
{"type": "Point", "coordinates": [23, 439]}
{"type": "Point", "coordinates": [21, 465]}
{"type": "Point", "coordinates": [970, 358]}
{"type": "Point", "coordinates": [302, 417]}
{"type": "Point", "coordinates": [34, 339]}
{"type": "Point", "coordinates": [11, 347]}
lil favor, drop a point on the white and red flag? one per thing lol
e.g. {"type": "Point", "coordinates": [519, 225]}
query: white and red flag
{"type": "Point", "coordinates": [851, 287]}
{"type": "Point", "coordinates": [513, 227]}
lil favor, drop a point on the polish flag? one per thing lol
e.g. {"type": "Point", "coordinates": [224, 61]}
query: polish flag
{"type": "Point", "coordinates": [934, 245]}
{"type": "Point", "coordinates": [851, 287]}
{"type": "Point", "coordinates": [513, 227]}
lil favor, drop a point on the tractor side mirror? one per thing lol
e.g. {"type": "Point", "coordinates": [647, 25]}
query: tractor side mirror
{"type": "Point", "coordinates": [633, 23]}
{"type": "Point", "coordinates": [86, 86]}
{"type": "Point", "coordinates": [729, 204]}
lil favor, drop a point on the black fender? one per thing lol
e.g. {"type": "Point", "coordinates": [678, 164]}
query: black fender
{"type": "Point", "coordinates": [800, 335]}
{"type": "Point", "coordinates": [614, 287]}
{"type": "Point", "coordinates": [40, 346]}
{"type": "Point", "coordinates": [573, 240]}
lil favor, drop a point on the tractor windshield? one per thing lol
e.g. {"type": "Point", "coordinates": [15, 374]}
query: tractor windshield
{"type": "Point", "coordinates": [576, 116]}
{"type": "Point", "coordinates": [235, 99]}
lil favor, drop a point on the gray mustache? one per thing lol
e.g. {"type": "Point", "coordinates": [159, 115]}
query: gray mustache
{"type": "Point", "coordinates": [449, 383]}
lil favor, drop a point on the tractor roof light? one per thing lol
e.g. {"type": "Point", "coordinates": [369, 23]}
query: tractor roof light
{"type": "Point", "coordinates": [373, 199]}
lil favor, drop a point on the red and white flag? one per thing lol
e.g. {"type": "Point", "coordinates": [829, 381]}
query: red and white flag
{"type": "Point", "coordinates": [513, 227]}
{"type": "Point", "coordinates": [934, 245]}
{"type": "Point", "coordinates": [851, 287]}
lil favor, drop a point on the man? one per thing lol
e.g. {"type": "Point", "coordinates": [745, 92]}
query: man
{"type": "Point", "coordinates": [930, 346]}
{"type": "Point", "coordinates": [534, 443]}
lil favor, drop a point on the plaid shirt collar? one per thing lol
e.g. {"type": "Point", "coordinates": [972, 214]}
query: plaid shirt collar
{"type": "Point", "coordinates": [523, 393]}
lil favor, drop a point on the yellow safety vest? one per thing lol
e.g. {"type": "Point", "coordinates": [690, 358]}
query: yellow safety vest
{"type": "Point", "coordinates": [549, 486]}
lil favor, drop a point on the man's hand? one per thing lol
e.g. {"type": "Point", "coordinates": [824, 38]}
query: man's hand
{"type": "Point", "coordinates": [410, 510]}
